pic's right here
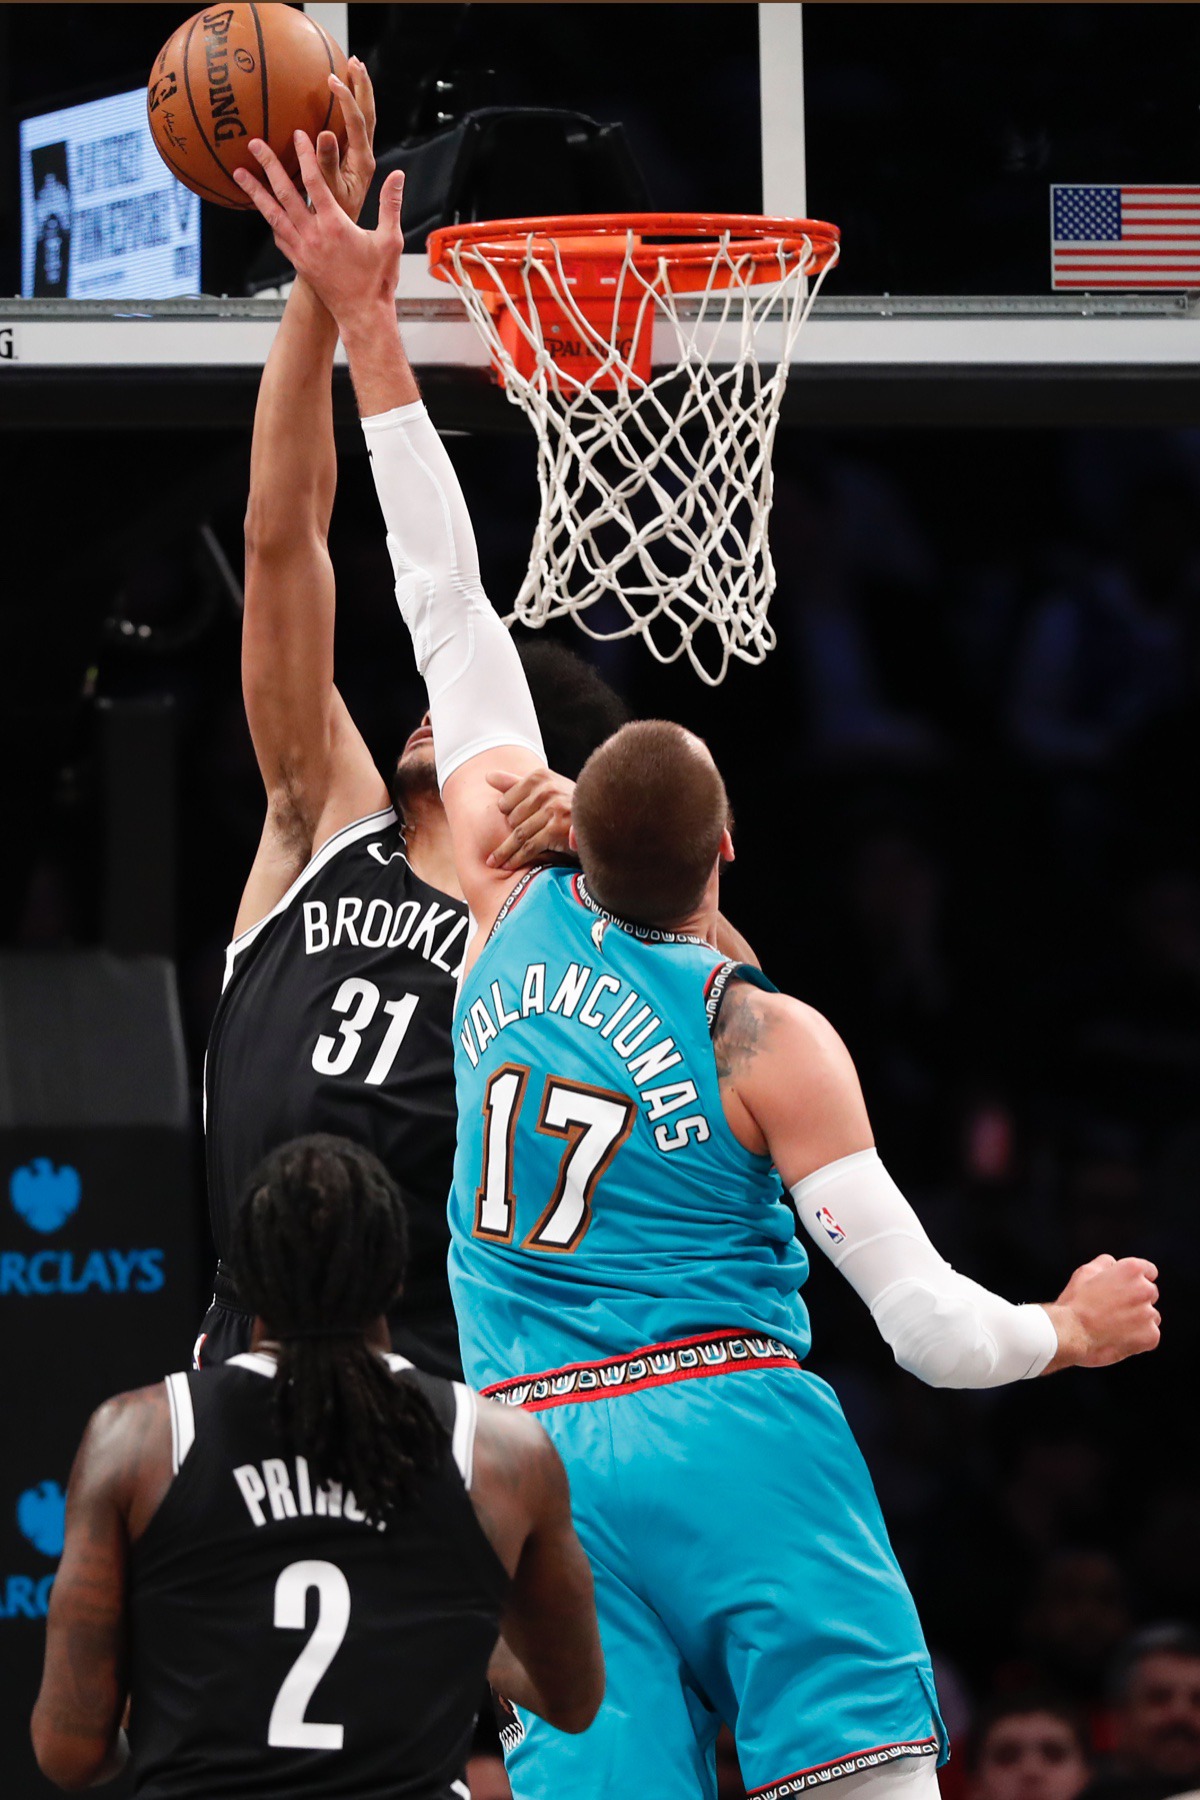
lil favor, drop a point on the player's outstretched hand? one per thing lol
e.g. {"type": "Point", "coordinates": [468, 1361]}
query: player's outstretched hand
{"type": "Point", "coordinates": [537, 810]}
{"type": "Point", "coordinates": [350, 269]}
{"type": "Point", "coordinates": [1107, 1311]}
{"type": "Point", "coordinates": [348, 175]}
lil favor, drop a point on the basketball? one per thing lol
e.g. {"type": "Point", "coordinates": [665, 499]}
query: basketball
{"type": "Point", "coordinates": [232, 73]}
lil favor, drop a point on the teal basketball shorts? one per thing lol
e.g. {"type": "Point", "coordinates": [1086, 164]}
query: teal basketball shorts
{"type": "Point", "coordinates": [743, 1573]}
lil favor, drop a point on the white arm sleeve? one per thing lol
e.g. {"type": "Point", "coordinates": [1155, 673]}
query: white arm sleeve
{"type": "Point", "coordinates": [478, 695]}
{"type": "Point", "coordinates": [942, 1327]}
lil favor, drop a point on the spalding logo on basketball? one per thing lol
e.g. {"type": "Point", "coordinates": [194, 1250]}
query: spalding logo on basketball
{"type": "Point", "coordinates": [232, 73]}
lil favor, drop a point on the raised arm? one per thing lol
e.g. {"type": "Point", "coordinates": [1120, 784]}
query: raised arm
{"type": "Point", "coordinates": [790, 1090]}
{"type": "Point", "coordinates": [548, 1658]}
{"type": "Point", "coordinates": [481, 712]}
{"type": "Point", "coordinates": [316, 769]}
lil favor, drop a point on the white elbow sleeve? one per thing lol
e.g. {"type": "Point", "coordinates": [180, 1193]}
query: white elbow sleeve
{"type": "Point", "coordinates": [478, 695]}
{"type": "Point", "coordinates": [940, 1326]}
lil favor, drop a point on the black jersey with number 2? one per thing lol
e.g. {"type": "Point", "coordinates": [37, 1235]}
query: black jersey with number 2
{"type": "Point", "coordinates": [281, 1645]}
{"type": "Point", "coordinates": [335, 1016]}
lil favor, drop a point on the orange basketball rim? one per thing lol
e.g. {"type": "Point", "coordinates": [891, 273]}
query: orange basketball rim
{"type": "Point", "coordinates": [592, 278]}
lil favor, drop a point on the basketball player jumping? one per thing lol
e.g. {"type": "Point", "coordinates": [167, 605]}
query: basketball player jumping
{"type": "Point", "coordinates": [295, 1565]}
{"type": "Point", "coordinates": [339, 983]}
{"type": "Point", "coordinates": [632, 1108]}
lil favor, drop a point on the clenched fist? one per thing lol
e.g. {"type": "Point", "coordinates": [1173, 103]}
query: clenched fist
{"type": "Point", "coordinates": [1107, 1311]}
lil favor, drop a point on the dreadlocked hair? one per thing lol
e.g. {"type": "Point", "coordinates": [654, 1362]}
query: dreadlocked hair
{"type": "Point", "coordinates": [319, 1250]}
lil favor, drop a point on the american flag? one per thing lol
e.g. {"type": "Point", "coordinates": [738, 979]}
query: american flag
{"type": "Point", "coordinates": [1124, 237]}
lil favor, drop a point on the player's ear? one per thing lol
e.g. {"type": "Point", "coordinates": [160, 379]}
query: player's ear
{"type": "Point", "coordinates": [573, 841]}
{"type": "Point", "coordinates": [726, 851]}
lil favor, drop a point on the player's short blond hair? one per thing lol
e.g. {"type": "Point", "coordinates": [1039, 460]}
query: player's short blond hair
{"type": "Point", "coordinates": [649, 811]}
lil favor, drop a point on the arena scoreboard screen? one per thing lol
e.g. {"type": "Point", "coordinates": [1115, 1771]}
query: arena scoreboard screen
{"type": "Point", "coordinates": [101, 215]}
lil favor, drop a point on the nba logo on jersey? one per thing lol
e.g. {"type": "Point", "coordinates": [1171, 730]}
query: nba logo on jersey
{"type": "Point", "coordinates": [829, 1225]}
{"type": "Point", "coordinates": [598, 931]}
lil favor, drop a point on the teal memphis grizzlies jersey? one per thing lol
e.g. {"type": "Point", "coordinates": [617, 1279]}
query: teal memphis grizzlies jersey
{"type": "Point", "coordinates": [601, 1204]}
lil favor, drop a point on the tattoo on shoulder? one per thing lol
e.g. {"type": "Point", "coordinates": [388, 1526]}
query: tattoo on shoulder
{"type": "Point", "coordinates": [742, 1029]}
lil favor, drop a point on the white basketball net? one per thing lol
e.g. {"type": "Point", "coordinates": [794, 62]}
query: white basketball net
{"type": "Point", "coordinates": [655, 496]}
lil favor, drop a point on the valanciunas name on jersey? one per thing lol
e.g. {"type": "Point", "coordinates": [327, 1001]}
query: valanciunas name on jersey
{"type": "Point", "coordinates": [618, 1014]}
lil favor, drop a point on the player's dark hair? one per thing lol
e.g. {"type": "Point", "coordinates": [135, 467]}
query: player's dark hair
{"type": "Point", "coordinates": [319, 1250]}
{"type": "Point", "coordinates": [1019, 1705]}
{"type": "Point", "coordinates": [649, 811]}
{"type": "Point", "coordinates": [576, 709]}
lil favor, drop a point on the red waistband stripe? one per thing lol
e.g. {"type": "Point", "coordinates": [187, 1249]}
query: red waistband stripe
{"type": "Point", "coordinates": [685, 1359]}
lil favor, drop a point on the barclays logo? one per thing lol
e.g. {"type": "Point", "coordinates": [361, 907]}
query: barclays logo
{"type": "Point", "coordinates": [99, 1272]}
{"type": "Point", "coordinates": [45, 1197]}
{"type": "Point", "coordinates": [41, 1520]}
{"type": "Point", "coordinates": [42, 1516]}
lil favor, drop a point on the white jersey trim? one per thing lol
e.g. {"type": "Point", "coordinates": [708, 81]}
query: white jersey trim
{"type": "Point", "coordinates": [183, 1419]}
{"type": "Point", "coordinates": [349, 834]}
{"type": "Point", "coordinates": [263, 1362]}
{"type": "Point", "coordinates": [466, 1415]}
{"type": "Point", "coordinates": [259, 1362]}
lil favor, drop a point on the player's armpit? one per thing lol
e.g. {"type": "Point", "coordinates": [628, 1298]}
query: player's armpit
{"type": "Point", "coordinates": [306, 805]}
{"type": "Point", "coordinates": [788, 1083]}
{"type": "Point", "coordinates": [120, 1467]}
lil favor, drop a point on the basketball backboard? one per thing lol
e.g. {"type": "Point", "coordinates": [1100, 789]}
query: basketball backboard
{"type": "Point", "coordinates": [934, 136]}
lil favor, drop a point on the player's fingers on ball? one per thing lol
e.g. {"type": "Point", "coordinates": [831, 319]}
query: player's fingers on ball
{"type": "Point", "coordinates": [278, 178]}
{"type": "Point", "coordinates": [273, 170]}
{"type": "Point", "coordinates": [315, 185]}
{"type": "Point", "coordinates": [270, 209]}
{"type": "Point", "coordinates": [356, 125]}
{"type": "Point", "coordinates": [327, 155]}
{"type": "Point", "coordinates": [364, 91]}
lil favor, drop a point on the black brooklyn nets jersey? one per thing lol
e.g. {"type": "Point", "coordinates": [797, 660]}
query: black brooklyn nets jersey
{"type": "Point", "coordinates": [283, 1647]}
{"type": "Point", "coordinates": [335, 1016]}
